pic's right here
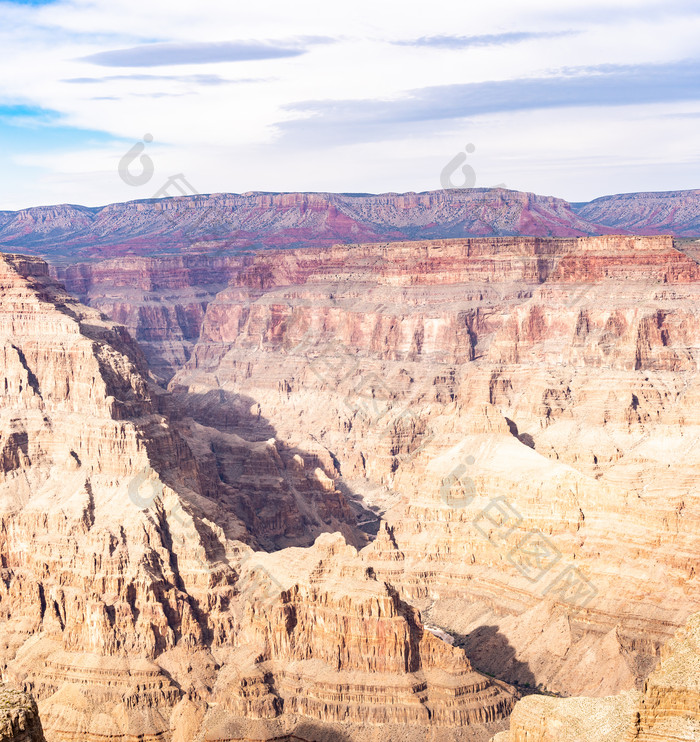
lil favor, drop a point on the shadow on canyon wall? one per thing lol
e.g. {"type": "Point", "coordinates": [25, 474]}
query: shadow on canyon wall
{"type": "Point", "coordinates": [235, 414]}
{"type": "Point", "coordinates": [524, 438]}
{"type": "Point", "coordinates": [490, 652]}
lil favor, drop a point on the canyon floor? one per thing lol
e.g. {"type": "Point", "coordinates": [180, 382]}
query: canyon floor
{"type": "Point", "coordinates": [424, 490]}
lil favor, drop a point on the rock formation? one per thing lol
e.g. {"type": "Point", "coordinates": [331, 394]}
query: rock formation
{"type": "Point", "coordinates": [670, 212]}
{"type": "Point", "coordinates": [228, 221]}
{"type": "Point", "coordinates": [225, 223]}
{"type": "Point", "coordinates": [133, 602]}
{"type": "Point", "coordinates": [379, 472]}
{"type": "Point", "coordinates": [19, 717]}
{"type": "Point", "coordinates": [161, 301]}
{"type": "Point", "coordinates": [668, 707]}
{"type": "Point", "coordinates": [459, 385]}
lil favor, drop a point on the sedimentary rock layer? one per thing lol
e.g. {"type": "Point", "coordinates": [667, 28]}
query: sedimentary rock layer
{"type": "Point", "coordinates": [670, 212]}
{"type": "Point", "coordinates": [228, 222]}
{"type": "Point", "coordinates": [133, 603]}
{"type": "Point", "coordinates": [510, 420]}
{"type": "Point", "coordinates": [161, 301]}
{"type": "Point", "coordinates": [521, 409]}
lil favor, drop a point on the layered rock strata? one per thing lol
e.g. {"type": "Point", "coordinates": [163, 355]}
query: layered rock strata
{"type": "Point", "coordinates": [672, 212]}
{"type": "Point", "coordinates": [227, 221]}
{"type": "Point", "coordinates": [132, 602]}
{"type": "Point", "coordinates": [230, 221]}
{"type": "Point", "coordinates": [521, 411]}
{"type": "Point", "coordinates": [160, 301]}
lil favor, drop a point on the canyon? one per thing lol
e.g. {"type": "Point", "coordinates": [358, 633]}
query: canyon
{"type": "Point", "coordinates": [352, 492]}
{"type": "Point", "coordinates": [136, 602]}
{"type": "Point", "coordinates": [557, 375]}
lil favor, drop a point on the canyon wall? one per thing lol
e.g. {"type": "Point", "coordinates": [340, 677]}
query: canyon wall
{"type": "Point", "coordinates": [518, 410]}
{"type": "Point", "coordinates": [134, 600]}
{"type": "Point", "coordinates": [380, 474]}
{"type": "Point", "coordinates": [227, 222]}
{"type": "Point", "coordinates": [670, 212]}
{"type": "Point", "coordinates": [224, 223]}
{"type": "Point", "coordinates": [161, 301]}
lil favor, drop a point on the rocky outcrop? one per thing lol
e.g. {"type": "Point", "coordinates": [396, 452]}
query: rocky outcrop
{"type": "Point", "coordinates": [670, 703]}
{"type": "Point", "coordinates": [543, 719]}
{"type": "Point", "coordinates": [19, 717]}
{"type": "Point", "coordinates": [668, 707]}
{"type": "Point", "coordinates": [356, 654]}
{"type": "Point", "coordinates": [134, 603]}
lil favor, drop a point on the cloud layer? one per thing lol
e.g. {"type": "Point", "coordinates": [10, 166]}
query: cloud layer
{"type": "Point", "coordinates": [466, 42]}
{"type": "Point", "coordinates": [160, 55]}
{"type": "Point", "coordinates": [611, 85]}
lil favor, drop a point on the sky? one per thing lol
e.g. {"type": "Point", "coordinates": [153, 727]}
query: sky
{"type": "Point", "coordinates": [106, 101]}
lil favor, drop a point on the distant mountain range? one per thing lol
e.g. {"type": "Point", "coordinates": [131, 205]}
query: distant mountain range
{"type": "Point", "coordinates": [229, 222]}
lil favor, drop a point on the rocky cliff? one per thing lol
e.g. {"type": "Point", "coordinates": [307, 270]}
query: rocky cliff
{"type": "Point", "coordinates": [225, 223]}
{"type": "Point", "coordinates": [135, 602]}
{"type": "Point", "coordinates": [229, 222]}
{"type": "Point", "coordinates": [161, 301]}
{"type": "Point", "coordinates": [671, 212]}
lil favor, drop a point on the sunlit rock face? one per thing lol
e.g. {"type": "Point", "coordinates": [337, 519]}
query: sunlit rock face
{"type": "Point", "coordinates": [135, 600]}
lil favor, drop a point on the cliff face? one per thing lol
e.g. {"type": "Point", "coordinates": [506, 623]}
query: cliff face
{"type": "Point", "coordinates": [460, 384]}
{"type": "Point", "coordinates": [133, 604]}
{"type": "Point", "coordinates": [160, 301]}
{"type": "Point", "coordinates": [19, 717]}
{"type": "Point", "coordinates": [228, 222]}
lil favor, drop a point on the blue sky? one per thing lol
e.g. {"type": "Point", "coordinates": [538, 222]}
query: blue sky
{"type": "Point", "coordinates": [574, 100]}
